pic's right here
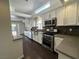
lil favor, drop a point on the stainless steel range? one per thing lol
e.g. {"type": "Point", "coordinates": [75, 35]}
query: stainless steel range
{"type": "Point", "coordinates": [49, 32]}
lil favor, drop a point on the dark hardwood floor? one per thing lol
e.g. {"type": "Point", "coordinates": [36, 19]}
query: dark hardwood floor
{"type": "Point", "coordinates": [32, 50]}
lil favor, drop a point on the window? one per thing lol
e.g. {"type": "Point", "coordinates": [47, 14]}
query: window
{"type": "Point", "coordinates": [39, 23]}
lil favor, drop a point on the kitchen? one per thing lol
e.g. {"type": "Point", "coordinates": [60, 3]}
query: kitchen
{"type": "Point", "coordinates": [56, 28]}
{"type": "Point", "coordinates": [67, 23]}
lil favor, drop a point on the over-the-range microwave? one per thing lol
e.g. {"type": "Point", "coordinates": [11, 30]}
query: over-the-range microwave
{"type": "Point", "coordinates": [52, 22]}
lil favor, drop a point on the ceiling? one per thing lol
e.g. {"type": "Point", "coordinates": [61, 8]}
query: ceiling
{"type": "Point", "coordinates": [27, 7]}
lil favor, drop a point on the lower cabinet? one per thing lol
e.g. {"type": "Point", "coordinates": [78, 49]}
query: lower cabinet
{"type": "Point", "coordinates": [40, 37]}
{"type": "Point", "coordinates": [37, 37]}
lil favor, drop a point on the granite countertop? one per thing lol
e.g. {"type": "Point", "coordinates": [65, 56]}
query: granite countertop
{"type": "Point", "coordinates": [69, 46]}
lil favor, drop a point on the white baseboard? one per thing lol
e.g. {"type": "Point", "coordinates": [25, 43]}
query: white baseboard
{"type": "Point", "coordinates": [22, 56]}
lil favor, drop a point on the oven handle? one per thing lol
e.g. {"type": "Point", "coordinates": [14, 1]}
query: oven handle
{"type": "Point", "coordinates": [47, 35]}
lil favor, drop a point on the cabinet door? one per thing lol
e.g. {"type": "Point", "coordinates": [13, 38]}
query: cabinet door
{"type": "Point", "coordinates": [35, 37]}
{"type": "Point", "coordinates": [43, 18]}
{"type": "Point", "coordinates": [46, 16]}
{"type": "Point", "coordinates": [60, 16]}
{"type": "Point", "coordinates": [78, 14]}
{"type": "Point", "coordinates": [40, 37]}
{"type": "Point", "coordinates": [71, 14]}
{"type": "Point", "coordinates": [53, 14]}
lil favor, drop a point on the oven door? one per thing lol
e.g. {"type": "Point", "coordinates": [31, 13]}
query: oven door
{"type": "Point", "coordinates": [47, 40]}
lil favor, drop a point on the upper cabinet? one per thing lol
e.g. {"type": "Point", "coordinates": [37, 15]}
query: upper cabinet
{"type": "Point", "coordinates": [53, 14]}
{"type": "Point", "coordinates": [60, 13]}
{"type": "Point", "coordinates": [46, 16]}
{"type": "Point", "coordinates": [78, 14]}
{"type": "Point", "coordinates": [43, 18]}
{"type": "Point", "coordinates": [67, 15]}
{"type": "Point", "coordinates": [70, 14]}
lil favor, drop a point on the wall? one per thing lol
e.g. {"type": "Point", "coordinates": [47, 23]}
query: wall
{"type": "Point", "coordinates": [8, 48]}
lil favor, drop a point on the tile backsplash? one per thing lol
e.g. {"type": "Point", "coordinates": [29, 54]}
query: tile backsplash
{"type": "Point", "coordinates": [68, 30]}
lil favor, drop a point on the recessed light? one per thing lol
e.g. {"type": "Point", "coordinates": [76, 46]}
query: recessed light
{"type": "Point", "coordinates": [66, 0]}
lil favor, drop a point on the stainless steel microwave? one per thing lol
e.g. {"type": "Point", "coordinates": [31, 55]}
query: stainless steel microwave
{"type": "Point", "coordinates": [52, 22]}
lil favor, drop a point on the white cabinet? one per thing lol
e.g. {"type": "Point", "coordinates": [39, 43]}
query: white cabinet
{"type": "Point", "coordinates": [71, 14]}
{"type": "Point", "coordinates": [37, 37]}
{"type": "Point", "coordinates": [78, 14]}
{"type": "Point", "coordinates": [46, 16]}
{"type": "Point", "coordinates": [60, 14]}
{"type": "Point", "coordinates": [67, 15]}
{"type": "Point", "coordinates": [53, 14]}
{"type": "Point", "coordinates": [43, 18]}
